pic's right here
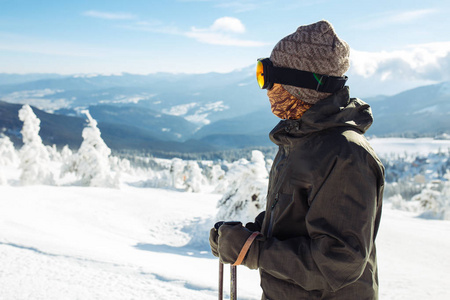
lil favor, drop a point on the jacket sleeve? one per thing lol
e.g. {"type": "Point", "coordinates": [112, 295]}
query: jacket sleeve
{"type": "Point", "coordinates": [340, 224]}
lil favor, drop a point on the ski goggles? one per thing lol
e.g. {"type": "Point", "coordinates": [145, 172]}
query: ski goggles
{"type": "Point", "coordinates": [267, 75]}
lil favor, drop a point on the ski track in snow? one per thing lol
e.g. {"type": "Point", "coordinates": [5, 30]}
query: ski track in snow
{"type": "Point", "coordinates": [134, 243]}
{"type": "Point", "coordinates": [37, 275]}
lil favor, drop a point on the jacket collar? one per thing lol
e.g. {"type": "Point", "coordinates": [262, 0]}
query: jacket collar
{"type": "Point", "coordinates": [336, 110]}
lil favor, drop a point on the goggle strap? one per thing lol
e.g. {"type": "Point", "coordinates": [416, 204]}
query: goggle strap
{"type": "Point", "coordinates": [308, 80]}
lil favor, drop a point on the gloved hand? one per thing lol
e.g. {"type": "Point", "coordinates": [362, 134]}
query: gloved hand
{"type": "Point", "coordinates": [214, 241]}
{"type": "Point", "coordinates": [214, 236]}
{"type": "Point", "coordinates": [257, 225]}
{"type": "Point", "coordinates": [227, 242]}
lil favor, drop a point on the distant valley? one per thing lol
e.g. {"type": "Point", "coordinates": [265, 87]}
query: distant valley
{"type": "Point", "coordinates": [187, 113]}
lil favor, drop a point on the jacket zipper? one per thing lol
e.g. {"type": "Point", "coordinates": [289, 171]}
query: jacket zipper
{"type": "Point", "coordinates": [269, 231]}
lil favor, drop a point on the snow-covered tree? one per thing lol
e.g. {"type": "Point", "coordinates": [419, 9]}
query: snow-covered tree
{"type": "Point", "coordinates": [430, 202]}
{"type": "Point", "coordinates": [194, 177]}
{"type": "Point", "coordinates": [8, 157]}
{"type": "Point", "coordinates": [34, 157]}
{"type": "Point", "coordinates": [216, 178]}
{"type": "Point", "coordinates": [92, 161]}
{"type": "Point", "coordinates": [119, 165]}
{"type": "Point", "coordinates": [8, 154]}
{"type": "Point", "coordinates": [446, 197]}
{"type": "Point", "coordinates": [66, 153]}
{"type": "Point", "coordinates": [177, 173]}
{"type": "Point", "coordinates": [54, 154]}
{"type": "Point", "coordinates": [246, 193]}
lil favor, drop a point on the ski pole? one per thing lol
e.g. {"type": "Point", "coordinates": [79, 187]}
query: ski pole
{"type": "Point", "coordinates": [233, 273]}
{"type": "Point", "coordinates": [220, 280]}
{"type": "Point", "coordinates": [216, 227]}
{"type": "Point", "coordinates": [233, 283]}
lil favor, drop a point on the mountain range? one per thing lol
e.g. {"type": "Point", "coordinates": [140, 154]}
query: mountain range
{"type": "Point", "coordinates": [187, 112]}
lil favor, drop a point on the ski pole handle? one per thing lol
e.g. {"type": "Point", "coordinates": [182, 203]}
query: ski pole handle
{"type": "Point", "coordinates": [232, 223]}
{"type": "Point", "coordinates": [218, 224]}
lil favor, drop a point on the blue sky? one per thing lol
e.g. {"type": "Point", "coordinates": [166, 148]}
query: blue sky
{"type": "Point", "coordinates": [197, 36]}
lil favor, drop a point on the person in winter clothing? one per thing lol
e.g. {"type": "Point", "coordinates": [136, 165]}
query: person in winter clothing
{"type": "Point", "coordinates": [316, 238]}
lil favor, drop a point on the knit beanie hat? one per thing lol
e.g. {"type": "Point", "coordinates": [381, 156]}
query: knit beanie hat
{"type": "Point", "coordinates": [314, 48]}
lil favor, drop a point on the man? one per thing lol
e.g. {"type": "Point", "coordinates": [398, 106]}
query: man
{"type": "Point", "coordinates": [316, 239]}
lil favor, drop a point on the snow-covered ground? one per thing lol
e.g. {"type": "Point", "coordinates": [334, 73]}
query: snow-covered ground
{"type": "Point", "coordinates": [146, 243]}
{"type": "Point", "coordinates": [96, 243]}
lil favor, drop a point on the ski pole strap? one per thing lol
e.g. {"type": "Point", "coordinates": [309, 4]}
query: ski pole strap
{"type": "Point", "coordinates": [245, 248]}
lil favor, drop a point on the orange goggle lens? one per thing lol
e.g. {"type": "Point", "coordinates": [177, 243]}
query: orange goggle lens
{"type": "Point", "coordinates": [260, 73]}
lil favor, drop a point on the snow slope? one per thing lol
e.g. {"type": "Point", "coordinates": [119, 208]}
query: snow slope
{"type": "Point", "coordinates": [95, 243]}
{"type": "Point", "coordinates": [145, 243]}
{"type": "Point", "coordinates": [413, 256]}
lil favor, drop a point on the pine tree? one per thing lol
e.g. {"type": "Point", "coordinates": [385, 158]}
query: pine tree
{"type": "Point", "coordinates": [92, 161]}
{"type": "Point", "coordinates": [217, 179]}
{"type": "Point", "coordinates": [8, 157]}
{"type": "Point", "coordinates": [194, 177]}
{"type": "Point", "coordinates": [34, 157]}
{"type": "Point", "coordinates": [177, 173]}
{"type": "Point", "coordinates": [66, 153]}
{"type": "Point", "coordinates": [8, 154]}
{"type": "Point", "coordinates": [245, 196]}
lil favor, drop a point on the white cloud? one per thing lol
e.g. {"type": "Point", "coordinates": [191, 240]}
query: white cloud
{"type": "Point", "coordinates": [17, 43]}
{"type": "Point", "coordinates": [394, 18]}
{"type": "Point", "coordinates": [109, 15]}
{"type": "Point", "coordinates": [415, 61]}
{"type": "Point", "coordinates": [152, 26]}
{"type": "Point", "coordinates": [217, 38]}
{"type": "Point", "coordinates": [373, 73]}
{"type": "Point", "coordinates": [32, 44]}
{"type": "Point", "coordinates": [410, 16]}
{"type": "Point", "coordinates": [228, 24]}
{"type": "Point", "coordinates": [180, 110]}
{"type": "Point", "coordinates": [221, 32]}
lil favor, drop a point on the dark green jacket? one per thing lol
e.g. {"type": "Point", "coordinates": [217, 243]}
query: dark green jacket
{"type": "Point", "coordinates": [323, 206]}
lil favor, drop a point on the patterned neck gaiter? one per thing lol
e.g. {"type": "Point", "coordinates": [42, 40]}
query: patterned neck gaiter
{"type": "Point", "coordinates": [284, 105]}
